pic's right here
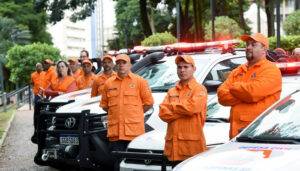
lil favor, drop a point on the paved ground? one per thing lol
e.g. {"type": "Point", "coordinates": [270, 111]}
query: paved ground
{"type": "Point", "coordinates": [17, 152]}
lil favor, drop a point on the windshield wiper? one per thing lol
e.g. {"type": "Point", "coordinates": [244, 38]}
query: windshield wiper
{"type": "Point", "coordinates": [159, 89]}
{"type": "Point", "coordinates": [268, 140]}
{"type": "Point", "coordinates": [218, 120]}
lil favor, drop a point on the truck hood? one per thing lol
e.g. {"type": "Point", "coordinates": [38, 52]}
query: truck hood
{"type": "Point", "coordinates": [245, 156]}
{"type": "Point", "coordinates": [155, 140]}
{"type": "Point", "coordinates": [79, 95]}
{"type": "Point", "coordinates": [91, 104]}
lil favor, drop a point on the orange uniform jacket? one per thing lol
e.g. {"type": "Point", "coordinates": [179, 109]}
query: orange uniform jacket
{"type": "Point", "coordinates": [50, 75]}
{"type": "Point", "coordinates": [78, 73]}
{"type": "Point", "coordinates": [85, 81]}
{"type": "Point", "coordinates": [98, 85]}
{"type": "Point", "coordinates": [37, 80]}
{"type": "Point", "coordinates": [184, 109]}
{"type": "Point", "coordinates": [249, 91]}
{"type": "Point", "coordinates": [124, 99]}
{"type": "Point", "coordinates": [65, 85]}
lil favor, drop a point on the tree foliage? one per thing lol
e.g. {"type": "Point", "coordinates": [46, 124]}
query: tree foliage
{"type": "Point", "coordinates": [21, 60]}
{"type": "Point", "coordinates": [81, 8]}
{"type": "Point", "coordinates": [225, 28]}
{"type": "Point", "coordinates": [291, 24]}
{"type": "Point", "coordinates": [129, 22]}
{"type": "Point", "coordinates": [288, 43]}
{"type": "Point", "coordinates": [159, 39]}
{"type": "Point", "coordinates": [23, 13]}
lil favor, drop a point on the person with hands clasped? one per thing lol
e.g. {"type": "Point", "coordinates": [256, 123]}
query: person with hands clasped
{"type": "Point", "coordinates": [184, 109]}
{"type": "Point", "coordinates": [126, 96]}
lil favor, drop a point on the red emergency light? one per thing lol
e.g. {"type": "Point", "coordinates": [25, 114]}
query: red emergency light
{"type": "Point", "coordinates": [289, 67]}
{"type": "Point", "coordinates": [188, 47]}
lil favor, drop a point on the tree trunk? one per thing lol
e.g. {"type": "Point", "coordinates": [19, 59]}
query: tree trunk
{"type": "Point", "coordinates": [297, 5]}
{"type": "Point", "coordinates": [242, 22]}
{"type": "Point", "coordinates": [269, 4]}
{"type": "Point", "coordinates": [184, 25]}
{"type": "Point", "coordinates": [198, 20]}
{"type": "Point", "coordinates": [151, 21]}
{"type": "Point", "coordinates": [144, 18]}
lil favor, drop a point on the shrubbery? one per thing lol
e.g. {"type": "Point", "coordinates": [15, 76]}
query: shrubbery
{"type": "Point", "coordinates": [21, 60]}
{"type": "Point", "coordinates": [291, 25]}
{"type": "Point", "coordinates": [225, 28]}
{"type": "Point", "coordinates": [159, 39]}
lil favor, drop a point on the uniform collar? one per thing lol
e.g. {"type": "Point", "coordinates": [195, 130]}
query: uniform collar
{"type": "Point", "coordinates": [190, 84]}
{"type": "Point", "coordinates": [106, 75]}
{"type": "Point", "coordinates": [257, 64]}
{"type": "Point", "coordinates": [130, 76]}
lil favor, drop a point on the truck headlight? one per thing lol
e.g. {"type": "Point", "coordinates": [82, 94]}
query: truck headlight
{"type": "Point", "coordinates": [104, 121]}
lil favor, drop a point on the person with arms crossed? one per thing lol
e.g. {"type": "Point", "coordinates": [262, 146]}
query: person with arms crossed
{"type": "Point", "coordinates": [184, 109]}
{"type": "Point", "coordinates": [252, 87]}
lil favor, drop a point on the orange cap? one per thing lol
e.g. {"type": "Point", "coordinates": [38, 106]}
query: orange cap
{"type": "Point", "coordinates": [123, 57]}
{"type": "Point", "coordinates": [257, 37]}
{"type": "Point", "coordinates": [186, 58]}
{"type": "Point", "coordinates": [107, 57]}
{"type": "Point", "coordinates": [48, 61]}
{"type": "Point", "coordinates": [86, 61]}
{"type": "Point", "coordinates": [73, 59]}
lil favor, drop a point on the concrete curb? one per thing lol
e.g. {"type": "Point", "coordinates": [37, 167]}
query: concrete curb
{"type": "Point", "coordinates": [7, 129]}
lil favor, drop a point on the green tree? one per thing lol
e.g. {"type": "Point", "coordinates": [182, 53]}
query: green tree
{"type": "Point", "coordinates": [21, 60]}
{"type": "Point", "coordinates": [23, 13]}
{"type": "Point", "coordinates": [10, 34]}
{"type": "Point", "coordinates": [129, 22]}
{"type": "Point", "coordinates": [291, 25]}
{"type": "Point", "coordinates": [159, 39]}
{"type": "Point", "coordinates": [56, 8]}
{"type": "Point", "coordinates": [225, 28]}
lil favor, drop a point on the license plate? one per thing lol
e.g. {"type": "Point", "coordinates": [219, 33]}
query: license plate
{"type": "Point", "coordinates": [69, 140]}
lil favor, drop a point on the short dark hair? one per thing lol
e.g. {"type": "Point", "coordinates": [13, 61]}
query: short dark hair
{"type": "Point", "coordinates": [87, 53]}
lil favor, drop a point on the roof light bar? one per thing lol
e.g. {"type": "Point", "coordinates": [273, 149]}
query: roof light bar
{"type": "Point", "coordinates": [187, 47]}
{"type": "Point", "coordinates": [289, 68]}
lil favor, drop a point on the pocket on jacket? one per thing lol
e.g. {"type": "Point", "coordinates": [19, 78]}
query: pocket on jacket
{"type": "Point", "coordinates": [113, 129]}
{"type": "Point", "coordinates": [112, 97]}
{"type": "Point", "coordinates": [134, 126]}
{"type": "Point", "coordinates": [190, 147]}
{"type": "Point", "coordinates": [131, 97]}
{"type": "Point", "coordinates": [186, 136]}
{"type": "Point", "coordinates": [168, 148]}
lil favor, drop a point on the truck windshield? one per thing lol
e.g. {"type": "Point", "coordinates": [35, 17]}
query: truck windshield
{"type": "Point", "coordinates": [282, 122]}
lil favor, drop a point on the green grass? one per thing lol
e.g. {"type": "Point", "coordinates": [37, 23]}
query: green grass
{"type": "Point", "coordinates": [4, 118]}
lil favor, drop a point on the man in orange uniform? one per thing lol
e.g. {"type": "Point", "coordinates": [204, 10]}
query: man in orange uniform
{"type": "Point", "coordinates": [98, 85]}
{"type": "Point", "coordinates": [252, 87]}
{"type": "Point", "coordinates": [126, 97]}
{"type": "Point", "coordinates": [75, 67]}
{"type": "Point", "coordinates": [37, 80]}
{"type": "Point", "coordinates": [86, 80]}
{"type": "Point", "coordinates": [184, 109]}
{"type": "Point", "coordinates": [50, 72]}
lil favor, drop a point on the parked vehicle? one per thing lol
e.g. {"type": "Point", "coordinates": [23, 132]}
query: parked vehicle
{"type": "Point", "coordinates": [75, 134]}
{"type": "Point", "coordinates": [271, 142]}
